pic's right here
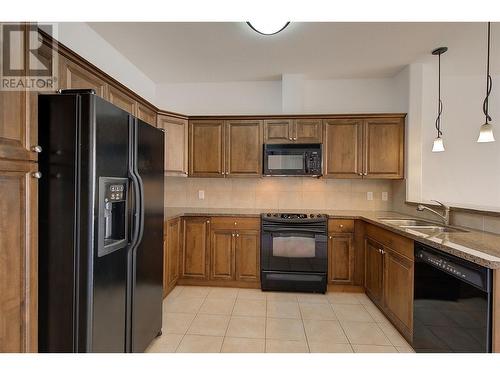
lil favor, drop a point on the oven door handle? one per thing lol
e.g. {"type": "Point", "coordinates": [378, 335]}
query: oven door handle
{"type": "Point", "coordinates": [294, 230]}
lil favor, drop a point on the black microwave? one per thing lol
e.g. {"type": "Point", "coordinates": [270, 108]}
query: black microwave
{"type": "Point", "coordinates": [292, 160]}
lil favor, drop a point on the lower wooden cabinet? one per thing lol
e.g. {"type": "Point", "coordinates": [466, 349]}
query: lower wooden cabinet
{"type": "Point", "coordinates": [18, 256]}
{"type": "Point", "coordinates": [389, 268]}
{"type": "Point", "coordinates": [171, 255]}
{"type": "Point", "coordinates": [223, 251]}
{"type": "Point", "coordinates": [195, 248]}
{"type": "Point", "coordinates": [340, 258]}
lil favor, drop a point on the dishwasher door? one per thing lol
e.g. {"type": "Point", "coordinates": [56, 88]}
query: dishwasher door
{"type": "Point", "coordinates": [452, 304]}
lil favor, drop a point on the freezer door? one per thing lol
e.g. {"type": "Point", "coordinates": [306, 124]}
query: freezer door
{"type": "Point", "coordinates": [148, 254]}
{"type": "Point", "coordinates": [110, 266]}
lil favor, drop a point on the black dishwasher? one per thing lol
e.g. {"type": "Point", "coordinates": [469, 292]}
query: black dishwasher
{"type": "Point", "coordinates": [452, 304]}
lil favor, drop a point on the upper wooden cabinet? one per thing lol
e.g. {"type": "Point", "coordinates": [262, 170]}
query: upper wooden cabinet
{"type": "Point", "coordinates": [18, 256]}
{"type": "Point", "coordinates": [343, 148]}
{"type": "Point", "coordinates": [176, 144]}
{"type": "Point", "coordinates": [364, 148]}
{"type": "Point", "coordinates": [384, 148]}
{"type": "Point", "coordinates": [146, 114]}
{"type": "Point", "coordinates": [195, 248]}
{"type": "Point", "coordinates": [206, 148]}
{"type": "Point", "coordinates": [243, 148]}
{"type": "Point", "coordinates": [121, 100]}
{"type": "Point", "coordinates": [293, 131]}
{"type": "Point", "coordinates": [74, 76]}
{"type": "Point", "coordinates": [220, 148]}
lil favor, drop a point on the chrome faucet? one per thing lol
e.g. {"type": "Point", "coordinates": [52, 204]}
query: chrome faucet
{"type": "Point", "coordinates": [445, 217]}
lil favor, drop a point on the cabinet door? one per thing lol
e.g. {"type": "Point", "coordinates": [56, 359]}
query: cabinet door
{"type": "Point", "coordinates": [342, 148]}
{"type": "Point", "coordinates": [176, 146]}
{"type": "Point", "coordinates": [146, 114]}
{"type": "Point", "coordinates": [121, 100]}
{"type": "Point", "coordinates": [374, 267]}
{"type": "Point", "coordinates": [398, 285]}
{"type": "Point", "coordinates": [247, 252]}
{"type": "Point", "coordinates": [74, 76]}
{"type": "Point", "coordinates": [278, 131]}
{"type": "Point", "coordinates": [18, 257]}
{"type": "Point", "coordinates": [384, 148]}
{"type": "Point", "coordinates": [244, 148]}
{"type": "Point", "coordinates": [308, 131]}
{"type": "Point", "coordinates": [206, 148]}
{"type": "Point", "coordinates": [173, 231]}
{"type": "Point", "coordinates": [222, 254]}
{"type": "Point", "coordinates": [195, 247]}
{"type": "Point", "coordinates": [340, 258]}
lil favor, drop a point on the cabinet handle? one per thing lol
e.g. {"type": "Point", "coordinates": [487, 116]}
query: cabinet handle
{"type": "Point", "coordinates": [364, 174]}
{"type": "Point", "coordinates": [294, 138]}
{"type": "Point", "coordinates": [341, 225]}
{"type": "Point", "coordinates": [37, 149]}
{"type": "Point", "coordinates": [237, 234]}
{"type": "Point", "coordinates": [235, 223]}
{"type": "Point", "coordinates": [208, 221]}
{"type": "Point", "coordinates": [37, 175]}
{"type": "Point", "coordinates": [330, 237]}
{"type": "Point", "coordinates": [232, 234]}
{"type": "Point", "coordinates": [360, 173]}
{"type": "Point", "coordinates": [290, 139]}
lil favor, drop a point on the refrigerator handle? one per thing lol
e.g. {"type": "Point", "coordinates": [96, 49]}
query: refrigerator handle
{"type": "Point", "coordinates": [135, 213]}
{"type": "Point", "coordinates": [141, 208]}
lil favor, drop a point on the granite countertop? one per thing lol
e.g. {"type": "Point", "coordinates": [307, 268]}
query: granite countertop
{"type": "Point", "coordinates": [482, 248]}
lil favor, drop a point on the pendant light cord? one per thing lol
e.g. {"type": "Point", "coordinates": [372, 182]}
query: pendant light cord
{"type": "Point", "coordinates": [440, 103]}
{"type": "Point", "coordinates": [489, 82]}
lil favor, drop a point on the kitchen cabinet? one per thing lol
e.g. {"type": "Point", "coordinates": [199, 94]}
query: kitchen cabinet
{"type": "Point", "coordinates": [374, 270]}
{"type": "Point", "coordinates": [389, 276]}
{"type": "Point", "coordinates": [171, 255]}
{"type": "Point", "coordinates": [145, 113]}
{"type": "Point", "coordinates": [293, 131]}
{"type": "Point", "coordinates": [121, 99]}
{"type": "Point", "coordinates": [220, 148]}
{"type": "Point", "coordinates": [75, 76]}
{"type": "Point", "coordinates": [340, 251]}
{"type": "Point", "coordinates": [364, 148]}
{"type": "Point", "coordinates": [243, 148]}
{"type": "Point", "coordinates": [195, 248]}
{"type": "Point", "coordinates": [18, 256]}
{"type": "Point", "coordinates": [206, 148]}
{"type": "Point", "coordinates": [247, 254]}
{"type": "Point", "coordinates": [384, 148]}
{"type": "Point", "coordinates": [176, 144]}
{"type": "Point", "coordinates": [222, 253]}
{"type": "Point", "coordinates": [343, 148]}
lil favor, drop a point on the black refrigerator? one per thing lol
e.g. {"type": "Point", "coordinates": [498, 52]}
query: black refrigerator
{"type": "Point", "coordinates": [100, 226]}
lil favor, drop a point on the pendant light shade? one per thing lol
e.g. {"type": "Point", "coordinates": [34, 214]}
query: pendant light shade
{"type": "Point", "coordinates": [438, 145]}
{"type": "Point", "coordinates": [486, 130]}
{"type": "Point", "coordinates": [486, 133]}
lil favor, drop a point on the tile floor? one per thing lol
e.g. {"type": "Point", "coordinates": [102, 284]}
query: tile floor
{"type": "Point", "coordinates": [213, 320]}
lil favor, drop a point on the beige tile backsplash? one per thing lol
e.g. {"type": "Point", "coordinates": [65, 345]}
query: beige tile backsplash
{"type": "Point", "coordinates": [277, 193]}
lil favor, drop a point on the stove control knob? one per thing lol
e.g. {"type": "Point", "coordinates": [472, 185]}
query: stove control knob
{"type": "Point", "coordinates": [275, 215]}
{"type": "Point", "coordinates": [268, 215]}
{"type": "Point", "coordinates": [311, 215]}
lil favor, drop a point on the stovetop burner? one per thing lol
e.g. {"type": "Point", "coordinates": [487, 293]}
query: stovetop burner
{"type": "Point", "coordinates": [293, 216]}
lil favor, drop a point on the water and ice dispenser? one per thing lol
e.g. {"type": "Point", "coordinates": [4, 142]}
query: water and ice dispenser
{"type": "Point", "coordinates": [113, 214]}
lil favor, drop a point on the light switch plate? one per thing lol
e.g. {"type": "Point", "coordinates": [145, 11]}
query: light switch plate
{"type": "Point", "coordinates": [385, 195]}
{"type": "Point", "coordinates": [201, 194]}
{"type": "Point", "coordinates": [369, 195]}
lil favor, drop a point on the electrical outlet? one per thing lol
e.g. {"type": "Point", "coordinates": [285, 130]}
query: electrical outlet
{"type": "Point", "coordinates": [385, 195]}
{"type": "Point", "coordinates": [201, 194]}
{"type": "Point", "coordinates": [369, 196]}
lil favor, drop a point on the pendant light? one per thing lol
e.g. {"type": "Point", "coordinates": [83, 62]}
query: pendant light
{"type": "Point", "coordinates": [486, 130]}
{"type": "Point", "coordinates": [438, 145]}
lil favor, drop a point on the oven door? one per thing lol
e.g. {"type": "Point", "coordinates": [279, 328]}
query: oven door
{"type": "Point", "coordinates": [294, 250]}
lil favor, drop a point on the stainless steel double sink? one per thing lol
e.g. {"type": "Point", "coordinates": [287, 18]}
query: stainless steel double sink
{"type": "Point", "coordinates": [421, 226]}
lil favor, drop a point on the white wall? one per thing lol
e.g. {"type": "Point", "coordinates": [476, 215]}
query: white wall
{"type": "Point", "coordinates": [269, 97]}
{"type": "Point", "coordinates": [82, 39]}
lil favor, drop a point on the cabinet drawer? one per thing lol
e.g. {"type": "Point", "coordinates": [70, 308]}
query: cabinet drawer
{"type": "Point", "coordinates": [235, 222]}
{"type": "Point", "coordinates": [341, 226]}
{"type": "Point", "coordinates": [399, 244]}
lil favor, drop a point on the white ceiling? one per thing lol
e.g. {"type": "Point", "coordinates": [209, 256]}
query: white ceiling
{"type": "Point", "coordinates": [221, 52]}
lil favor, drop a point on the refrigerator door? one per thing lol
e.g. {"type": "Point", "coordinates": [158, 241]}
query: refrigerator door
{"type": "Point", "coordinates": [148, 254]}
{"type": "Point", "coordinates": [110, 242]}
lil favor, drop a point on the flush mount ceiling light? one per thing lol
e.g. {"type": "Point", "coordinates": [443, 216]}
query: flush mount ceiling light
{"type": "Point", "coordinates": [438, 145]}
{"type": "Point", "coordinates": [486, 130]}
{"type": "Point", "coordinates": [268, 27]}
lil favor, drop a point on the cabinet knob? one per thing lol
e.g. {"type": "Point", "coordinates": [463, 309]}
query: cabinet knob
{"type": "Point", "coordinates": [290, 139]}
{"type": "Point", "coordinates": [364, 174]}
{"type": "Point", "coordinates": [341, 226]}
{"type": "Point", "coordinates": [360, 173]}
{"type": "Point", "coordinates": [294, 138]}
{"type": "Point", "coordinates": [235, 223]}
{"type": "Point", "coordinates": [37, 149]}
{"type": "Point", "coordinates": [237, 234]}
{"type": "Point", "coordinates": [208, 221]}
{"type": "Point", "coordinates": [232, 234]}
{"type": "Point", "coordinates": [37, 175]}
{"type": "Point", "coordinates": [330, 237]}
